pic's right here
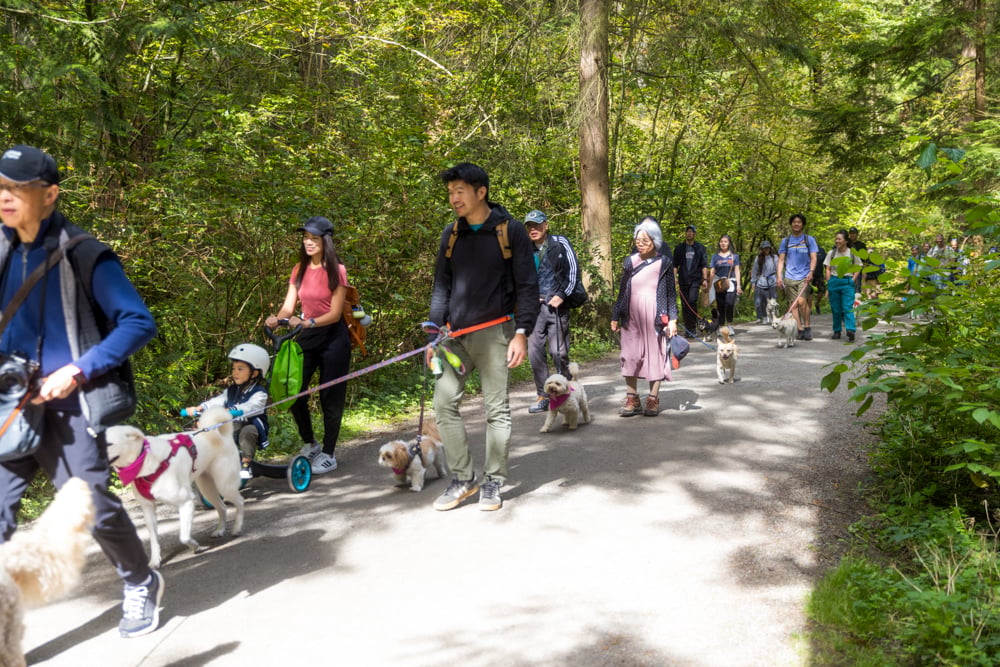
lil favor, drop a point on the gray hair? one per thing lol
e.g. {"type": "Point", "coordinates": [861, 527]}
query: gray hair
{"type": "Point", "coordinates": [652, 229]}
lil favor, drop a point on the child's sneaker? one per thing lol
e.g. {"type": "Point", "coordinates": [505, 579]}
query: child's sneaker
{"type": "Point", "coordinates": [245, 473]}
{"type": "Point", "coordinates": [310, 450]}
{"type": "Point", "coordinates": [324, 462]}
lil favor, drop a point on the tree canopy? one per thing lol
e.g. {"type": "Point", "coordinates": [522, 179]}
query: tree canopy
{"type": "Point", "coordinates": [196, 136]}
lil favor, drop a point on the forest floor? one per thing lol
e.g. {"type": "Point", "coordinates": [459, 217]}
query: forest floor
{"type": "Point", "coordinates": [691, 538]}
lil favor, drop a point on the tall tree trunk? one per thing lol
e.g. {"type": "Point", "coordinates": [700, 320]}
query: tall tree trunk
{"type": "Point", "coordinates": [974, 50]}
{"type": "Point", "coordinates": [595, 216]}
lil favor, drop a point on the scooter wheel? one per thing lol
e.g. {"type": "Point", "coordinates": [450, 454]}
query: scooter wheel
{"type": "Point", "coordinates": [299, 474]}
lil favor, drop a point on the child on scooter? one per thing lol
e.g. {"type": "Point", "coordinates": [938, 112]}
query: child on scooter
{"type": "Point", "coordinates": [247, 394]}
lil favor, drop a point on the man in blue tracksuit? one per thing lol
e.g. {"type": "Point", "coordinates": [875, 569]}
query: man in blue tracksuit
{"type": "Point", "coordinates": [85, 333]}
{"type": "Point", "coordinates": [557, 274]}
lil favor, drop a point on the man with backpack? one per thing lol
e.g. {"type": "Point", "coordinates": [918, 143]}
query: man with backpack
{"type": "Point", "coordinates": [796, 267]}
{"type": "Point", "coordinates": [484, 272]}
{"type": "Point", "coordinates": [78, 325]}
{"type": "Point", "coordinates": [558, 276]}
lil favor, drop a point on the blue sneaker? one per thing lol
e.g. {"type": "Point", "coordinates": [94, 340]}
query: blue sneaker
{"type": "Point", "coordinates": [141, 607]}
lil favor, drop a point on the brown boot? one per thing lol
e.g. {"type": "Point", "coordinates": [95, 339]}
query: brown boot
{"type": "Point", "coordinates": [652, 407]}
{"type": "Point", "coordinates": [631, 407]}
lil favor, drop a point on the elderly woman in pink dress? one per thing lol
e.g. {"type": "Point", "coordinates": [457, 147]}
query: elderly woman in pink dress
{"type": "Point", "coordinates": [646, 313]}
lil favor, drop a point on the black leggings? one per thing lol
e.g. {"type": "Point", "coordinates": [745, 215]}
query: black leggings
{"type": "Point", "coordinates": [327, 349]}
{"type": "Point", "coordinates": [727, 307]}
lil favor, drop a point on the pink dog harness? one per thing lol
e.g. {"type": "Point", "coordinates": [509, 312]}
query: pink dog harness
{"type": "Point", "coordinates": [143, 485]}
{"type": "Point", "coordinates": [555, 402]}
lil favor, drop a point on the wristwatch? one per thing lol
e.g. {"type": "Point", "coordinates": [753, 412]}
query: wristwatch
{"type": "Point", "coordinates": [79, 378]}
{"type": "Point", "coordinates": [312, 322]}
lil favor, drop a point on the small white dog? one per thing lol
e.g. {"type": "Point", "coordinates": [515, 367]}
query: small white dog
{"type": "Point", "coordinates": [567, 398]}
{"type": "Point", "coordinates": [772, 311]}
{"type": "Point", "coordinates": [787, 329]}
{"type": "Point", "coordinates": [726, 355]}
{"type": "Point", "coordinates": [43, 562]}
{"type": "Point", "coordinates": [409, 464]}
{"type": "Point", "coordinates": [161, 468]}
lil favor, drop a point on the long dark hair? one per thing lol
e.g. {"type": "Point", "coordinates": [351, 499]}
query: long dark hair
{"type": "Point", "coordinates": [331, 263]}
{"type": "Point", "coordinates": [760, 259]}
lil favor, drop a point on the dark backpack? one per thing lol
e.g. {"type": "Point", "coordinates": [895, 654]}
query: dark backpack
{"type": "Point", "coordinates": [578, 296]}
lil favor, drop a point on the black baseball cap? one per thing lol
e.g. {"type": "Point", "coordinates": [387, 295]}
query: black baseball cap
{"type": "Point", "coordinates": [692, 228]}
{"type": "Point", "coordinates": [23, 164]}
{"type": "Point", "coordinates": [317, 226]}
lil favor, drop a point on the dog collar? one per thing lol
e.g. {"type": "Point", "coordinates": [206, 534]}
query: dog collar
{"type": "Point", "coordinates": [555, 402]}
{"type": "Point", "coordinates": [144, 485]}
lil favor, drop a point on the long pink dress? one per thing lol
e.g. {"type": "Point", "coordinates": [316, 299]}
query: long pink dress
{"type": "Point", "coordinates": [644, 353]}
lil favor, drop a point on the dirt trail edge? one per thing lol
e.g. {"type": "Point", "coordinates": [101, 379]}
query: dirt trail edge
{"type": "Point", "coordinates": [691, 538]}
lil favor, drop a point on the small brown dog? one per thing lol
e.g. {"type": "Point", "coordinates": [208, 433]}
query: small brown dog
{"type": "Point", "coordinates": [410, 463]}
{"type": "Point", "coordinates": [727, 354]}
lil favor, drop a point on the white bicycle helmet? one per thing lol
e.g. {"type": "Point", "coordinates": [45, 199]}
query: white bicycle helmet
{"type": "Point", "coordinates": [254, 355]}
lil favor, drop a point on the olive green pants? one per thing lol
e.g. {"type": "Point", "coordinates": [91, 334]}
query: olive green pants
{"type": "Point", "coordinates": [485, 350]}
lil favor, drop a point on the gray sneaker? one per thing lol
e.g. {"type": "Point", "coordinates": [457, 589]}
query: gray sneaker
{"type": "Point", "coordinates": [141, 608]}
{"type": "Point", "coordinates": [542, 405]}
{"type": "Point", "coordinates": [310, 450]}
{"type": "Point", "coordinates": [456, 492]}
{"type": "Point", "coordinates": [489, 495]}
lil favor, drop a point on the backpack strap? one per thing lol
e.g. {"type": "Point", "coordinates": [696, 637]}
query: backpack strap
{"type": "Point", "coordinates": [451, 240]}
{"type": "Point", "coordinates": [502, 239]}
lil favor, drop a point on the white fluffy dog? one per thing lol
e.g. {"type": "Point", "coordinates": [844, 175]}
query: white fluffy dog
{"type": "Point", "coordinates": [43, 562]}
{"type": "Point", "coordinates": [787, 329]}
{"type": "Point", "coordinates": [567, 398]}
{"type": "Point", "coordinates": [410, 465]}
{"type": "Point", "coordinates": [164, 467]}
{"type": "Point", "coordinates": [726, 355]}
{"type": "Point", "coordinates": [772, 311]}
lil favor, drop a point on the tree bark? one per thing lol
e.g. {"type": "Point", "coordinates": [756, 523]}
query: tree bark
{"type": "Point", "coordinates": [974, 50]}
{"type": "Point", "coordinates": [595, 215]}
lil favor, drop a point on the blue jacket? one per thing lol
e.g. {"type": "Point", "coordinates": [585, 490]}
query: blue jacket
{"type": "Point", "coordinates": [558, 269]}
{"type": "Point", "coordinates": [64, 330]}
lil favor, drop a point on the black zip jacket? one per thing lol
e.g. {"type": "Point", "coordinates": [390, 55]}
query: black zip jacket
{"type": "Point", "coordinates": [477, 284]}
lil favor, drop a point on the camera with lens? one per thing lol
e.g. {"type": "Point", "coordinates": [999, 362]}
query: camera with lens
{"type": "Point", "coordinates": [17, 375]}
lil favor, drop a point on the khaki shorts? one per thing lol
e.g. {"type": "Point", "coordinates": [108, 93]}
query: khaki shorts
{"type": "Point", "coordinates": [792, 288]}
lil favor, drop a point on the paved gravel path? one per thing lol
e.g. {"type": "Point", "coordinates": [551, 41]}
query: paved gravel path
{"type": "Point", "coordinates": [691, 538]}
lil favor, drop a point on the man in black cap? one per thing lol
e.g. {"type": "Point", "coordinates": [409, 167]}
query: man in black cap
{"type": "Point", "coordinates": [80, 323]}
{"type": "Point", "coordinates": [691, 270]}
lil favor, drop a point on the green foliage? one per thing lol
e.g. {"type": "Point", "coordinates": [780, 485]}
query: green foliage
{"type": "Point", "coordinates": [942, 608]}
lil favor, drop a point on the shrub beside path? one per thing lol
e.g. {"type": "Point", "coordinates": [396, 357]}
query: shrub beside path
{"type": "Point", "coordinates": [691, 538]}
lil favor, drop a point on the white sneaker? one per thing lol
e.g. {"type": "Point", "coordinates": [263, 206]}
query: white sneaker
{"type": "Point", "coordinates": [324, 462]}
{"type": "Point", "coordinates": [310, 450]}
